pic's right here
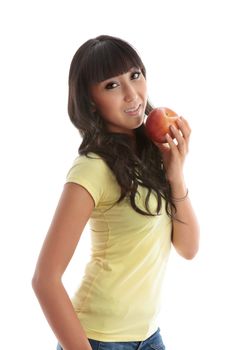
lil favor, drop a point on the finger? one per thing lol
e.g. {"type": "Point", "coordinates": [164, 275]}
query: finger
{"type": "Point", "coordinates": [185, 131]}
{"type": "Point", "coordinates": [181, 142]}
{"type": "Point", "coordinates": [163, 147]}
{"type": "Point", "coordinates": [184, 127]}
{"type": "Point", "coordinates": [185, 121]}
{"type": "Point", "coordinates": [171, 143]}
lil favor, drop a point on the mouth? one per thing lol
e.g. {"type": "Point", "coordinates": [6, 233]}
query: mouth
{"type": "Point", "coordinates": [133, 110]}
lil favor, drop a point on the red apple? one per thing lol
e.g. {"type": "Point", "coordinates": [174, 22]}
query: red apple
{"type": "Point", "coordinates": [158, 123]}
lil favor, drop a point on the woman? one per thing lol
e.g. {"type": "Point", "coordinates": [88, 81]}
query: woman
{"type": "Point", "coordinates": [132, 192]}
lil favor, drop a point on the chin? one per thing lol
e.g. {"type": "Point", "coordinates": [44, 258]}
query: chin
{"type": "Point", "coordinates": [140, 124]}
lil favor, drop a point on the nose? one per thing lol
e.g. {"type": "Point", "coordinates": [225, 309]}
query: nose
{"type": "Point", "coordinates": [130, 94]}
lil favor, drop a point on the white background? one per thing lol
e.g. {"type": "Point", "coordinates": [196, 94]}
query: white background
{"type": "Point", "coordinates": [187, 49]}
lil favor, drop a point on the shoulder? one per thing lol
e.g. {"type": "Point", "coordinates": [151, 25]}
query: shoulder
{"type": "Point", "coordinates": [89, 164]}
{"type": "Point", "coordinates": [93, 173]}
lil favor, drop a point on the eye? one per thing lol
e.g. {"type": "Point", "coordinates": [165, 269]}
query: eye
{"type": "Point", "coordinates": [135, 75]}
{"type": "Point", "coordinates": [111, 85]}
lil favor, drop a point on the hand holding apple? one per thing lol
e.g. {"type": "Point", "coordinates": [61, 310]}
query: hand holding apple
{"type": "Point", "coordinates": [174, 152]}
{"type": "Point", "coordinates": [158, 124]}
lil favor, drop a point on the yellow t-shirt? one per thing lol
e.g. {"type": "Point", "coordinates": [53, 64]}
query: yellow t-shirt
{"type": "Point", "coordinates": [119, 295]}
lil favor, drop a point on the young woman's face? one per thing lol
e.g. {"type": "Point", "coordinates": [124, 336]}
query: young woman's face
{"type": "Point", "coordinates": [121, 101]}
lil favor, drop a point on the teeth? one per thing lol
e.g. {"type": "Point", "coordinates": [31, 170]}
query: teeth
{"type": "Point", "coordinates": [132, 109]}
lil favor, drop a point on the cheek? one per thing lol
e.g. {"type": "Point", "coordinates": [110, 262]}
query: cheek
{"type": "Point", "coordinates": [143, 89]}
{"type": "Point", "coordinates": [106, 105]}
{"type": "Point", "coordinates": [105, 109]}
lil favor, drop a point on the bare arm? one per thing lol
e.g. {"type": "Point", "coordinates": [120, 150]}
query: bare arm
{"type": "Point", "coordinates": [185, 237]}
{"type": "Point", "coordinates": [72, 213]}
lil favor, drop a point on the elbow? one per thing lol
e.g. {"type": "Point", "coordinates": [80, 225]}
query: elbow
{"type": "Point", "coordinates": [35, 283]}
{"type": "Point", "coordinates": [189, 254]}
{"type": "Point", "coordinates": [41, 282]}
{"type": "Point", "coordinates": [188, 246]}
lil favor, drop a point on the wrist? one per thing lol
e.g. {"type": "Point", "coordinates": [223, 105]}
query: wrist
{"type": "Point", "coordinates": [181, 199]}
{"type": "Point", "coordinates": [178, 189]}
{"type": "Point", "coordinates": [176, 179]}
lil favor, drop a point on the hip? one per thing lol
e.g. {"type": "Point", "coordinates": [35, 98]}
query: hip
{"type": "Point", "coordinates": [155, 342]}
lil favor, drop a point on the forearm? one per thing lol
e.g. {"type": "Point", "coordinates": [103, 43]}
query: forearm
{"type": "Point", "coordinates": [60, 315]}
{"type": "Point", "coordinates": [185, 236]}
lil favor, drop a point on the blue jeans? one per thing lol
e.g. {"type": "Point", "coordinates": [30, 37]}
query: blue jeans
{"type": "Point", "coordinates": [154, 342]}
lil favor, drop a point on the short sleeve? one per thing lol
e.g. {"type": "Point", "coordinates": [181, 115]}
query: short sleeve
{"type": "Point", "coordinates": [91, 173]}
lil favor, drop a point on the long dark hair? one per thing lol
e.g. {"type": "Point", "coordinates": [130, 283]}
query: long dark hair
{"type": "Point", "coordinates": [96, 60]}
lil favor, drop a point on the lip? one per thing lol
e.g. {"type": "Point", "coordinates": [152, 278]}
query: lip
{"type": "Point", "coordinates": [133, 110]}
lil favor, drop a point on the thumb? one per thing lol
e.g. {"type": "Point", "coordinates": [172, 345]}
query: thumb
{"type": "Point", "coordinates": [163, 147]}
